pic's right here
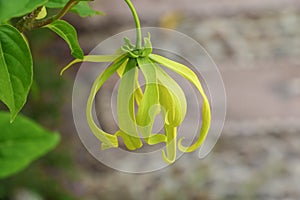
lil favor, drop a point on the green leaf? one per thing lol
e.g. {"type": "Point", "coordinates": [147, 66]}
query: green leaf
{"type": "Point", "coordinates": [192, 77]}
{"type": "Point", "coordinates": [67, 32]}
{"type": "Point", "coordinates": [17, 8]}
{"type": "Point", "coordinates": [22, 142]}
{"type": "Point", "coordinates": [15, 69]}
{"type": "Point", "coordinates": [42, 14]}
{"type": "Point", "coordinates": [82, 8]}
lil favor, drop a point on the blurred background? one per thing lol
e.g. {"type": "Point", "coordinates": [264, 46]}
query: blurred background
{"type": "Point", "coordinates": [256, 45]}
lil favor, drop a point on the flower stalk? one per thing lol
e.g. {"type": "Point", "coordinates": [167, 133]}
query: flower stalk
{"type": "Point", "coordinates": [137, 24]}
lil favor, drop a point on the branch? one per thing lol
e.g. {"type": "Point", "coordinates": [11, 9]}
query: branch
{"type": "Point", "coordinates": [29, 22]}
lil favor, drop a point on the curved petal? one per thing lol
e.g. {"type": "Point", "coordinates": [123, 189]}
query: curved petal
{"type": "Point", "coordinates": [125, 107]}
{"type": "Point", "coordinates": [192, 77]}
{"type": "Point", "coordinates": [138, 93]}
{"type": "Point", "coordinates": [107, 139]}
{"type": "Point", "coordinates": [171, 133]}
{"type": "Point", "coordinates": [93, 58]}
{"type": "Point", "coordinates": [171, 97]}
{"type": "Point", "coordinates": [149, 107]}
{"type": "Point", "coordinates": [171, 113]}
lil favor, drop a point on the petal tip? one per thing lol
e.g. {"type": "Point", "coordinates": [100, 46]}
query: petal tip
{"type": "Point", "coordinates": [166, 159]}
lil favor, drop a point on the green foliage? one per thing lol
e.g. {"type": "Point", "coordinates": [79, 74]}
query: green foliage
{"type": "Point", "coordinates": [41, 177]}
{"type": "Point", "coordinates": [67, 32]}
{"type": "Point", "coordinates": [47, 94]}
{"type": "Point", "coordinates": [21, 142]}
{"type": "Point", "coordinates": [16, 8]}
{"type": "Point", "coordinates": [15, 69]}
{"type": "Point", "coordinates": [45, 103]}
{"type": "Point", "coordinates": [82, 8]}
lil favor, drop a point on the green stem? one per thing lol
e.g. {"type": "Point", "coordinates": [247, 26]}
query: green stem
{"type": "Point", "coordinates": [29, 22]}
{"type": "Point", "coordinates": [137, 24]}
{"type": "Point", "coordinates": [62, 13]}
{"type": "Point", "coordinates": [26, 21]}
{"type": "Point", "coordinates": [66, 9]}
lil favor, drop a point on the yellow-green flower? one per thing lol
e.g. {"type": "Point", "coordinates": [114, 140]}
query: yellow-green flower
{"type": "Point", "coordinates": [162, 95]}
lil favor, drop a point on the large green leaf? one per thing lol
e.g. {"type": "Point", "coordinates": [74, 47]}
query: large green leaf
{"type": "Point", "coordinates": [15, 69]}
{"type": "Point", "coordinates": [67, 32]}
{"type": "Point", "coordinates": [82, 8]}
{"type": "Point", "coordinates": [17, 8]}
{"type": "Point", "coordinates": [21, 142]}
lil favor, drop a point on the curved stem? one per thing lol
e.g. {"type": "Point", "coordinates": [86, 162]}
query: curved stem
{"type": "Point", "coordinates": [137, 24]}
{"type": "Point", "coordinates": [62, 13]}
{"type": "Point", "coordinates": [66, 8]}
{"type": "Point", "coordinates": [29, 22]}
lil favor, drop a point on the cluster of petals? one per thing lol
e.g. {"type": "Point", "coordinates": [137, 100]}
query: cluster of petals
{"type": "Point", "coordinates": [137, 109]}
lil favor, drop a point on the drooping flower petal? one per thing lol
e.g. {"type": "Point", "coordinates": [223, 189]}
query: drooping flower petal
{"type": "Point", "coordinates": [138, 93]}
{"type": "Point", "coordinates": [161, 94]}
{"type": "Point", "coordinates": [171, 97]}
{"type": "Point", "coordinates": [94, 58]}
{"type": "Point", "coordinates": [125, 107]}
{"type": "Point", "coordinates": [171, 133]}
{"type": "Point", "coordinates": [192, 77]}
{"type": "Point", "coordinates": [108, 140]}
{"type": "Point", "coordinates": [149, 107]}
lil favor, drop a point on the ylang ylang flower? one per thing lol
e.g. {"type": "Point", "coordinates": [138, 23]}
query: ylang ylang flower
{"type": "Point", "coordinates": [137, 109]}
